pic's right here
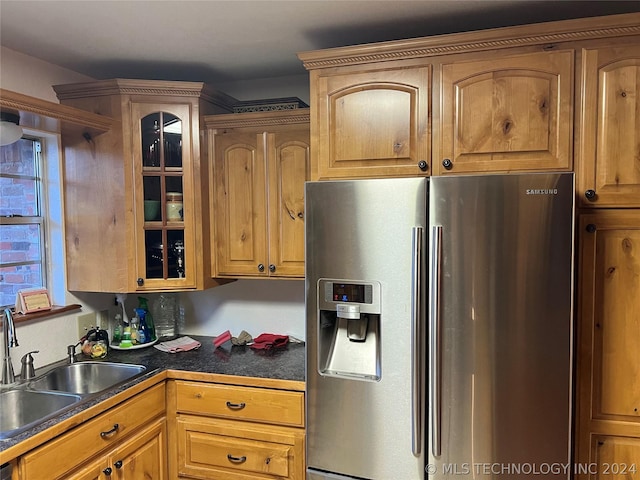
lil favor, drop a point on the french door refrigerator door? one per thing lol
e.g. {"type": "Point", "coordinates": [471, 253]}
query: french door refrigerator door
{"type": "Point", "coordinates": [365, 236]}
{"type": "Point", "coordinates": [500, 323]}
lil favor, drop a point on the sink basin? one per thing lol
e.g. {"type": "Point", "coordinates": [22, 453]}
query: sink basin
{"type": "Point", "coordinates": [22, 409]}
{"type": "Point", "coordinates": [86, 377]}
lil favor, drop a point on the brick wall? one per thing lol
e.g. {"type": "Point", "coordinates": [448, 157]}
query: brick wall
{"type": "Point", "coordinates": [18, 243]}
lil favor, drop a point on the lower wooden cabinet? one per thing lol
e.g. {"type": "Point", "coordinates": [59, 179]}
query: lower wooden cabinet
{"type": "Point", "coordinates": [125, 442]}
{"type": "Point", "coordinates": [211, 448]}
{"type": "Point", "coordinates": [236, 432]}
{"type": "Point", "coordinates": [141, 457]}
{"type": "Point", "coordinates": [608, 368]}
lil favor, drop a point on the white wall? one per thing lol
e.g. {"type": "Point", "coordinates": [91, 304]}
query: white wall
{"type": "Point", "coordinates": [31, 76]}
{"type": "Point", "coordinates": [257, 306]}
{"type": "Point", "coordinates": [24, 74]}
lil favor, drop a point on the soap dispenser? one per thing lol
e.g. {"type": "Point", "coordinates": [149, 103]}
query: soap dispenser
{"type": "Point", "coordinates": [28, 371]}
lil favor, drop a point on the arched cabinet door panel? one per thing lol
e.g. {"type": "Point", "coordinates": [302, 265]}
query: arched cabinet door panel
{"type": "Point", "coordinates": [372, 123]}
{"type": "Point", "coordinates": [506, 114]}
{"type": "Point", "coordinates": [609, 157]}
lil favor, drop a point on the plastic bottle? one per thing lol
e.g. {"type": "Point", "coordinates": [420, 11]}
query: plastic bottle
{"type": "Point", "coordinates": [135, 335]}
{"type": "Point", "coordinates": [165, 316]}
{"type": "Point", "coordinates": [116, 337]}
{"type": "Point", "coordinates": [150, 324]}
{"type": "Point", "coordinates": [143, 329]}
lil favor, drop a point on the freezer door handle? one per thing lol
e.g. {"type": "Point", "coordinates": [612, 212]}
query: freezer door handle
{"type": "Point", "coordinates": [435, 341]}
{"type": "Point", "coordinates": [416, 344]}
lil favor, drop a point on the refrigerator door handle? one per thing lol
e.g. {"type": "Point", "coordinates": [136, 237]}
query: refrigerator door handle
{"type": "Point", "coordinates": [435, 341]}
{"type": "Point", "coordinates": [416, 344]}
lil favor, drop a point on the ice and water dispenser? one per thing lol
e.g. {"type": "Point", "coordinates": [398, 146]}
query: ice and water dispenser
{"type": "Point", "coordinates": [349, 329]}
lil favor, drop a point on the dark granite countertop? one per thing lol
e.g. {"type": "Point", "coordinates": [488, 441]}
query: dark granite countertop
{"type": "Point", "coordinates": [283, 364]}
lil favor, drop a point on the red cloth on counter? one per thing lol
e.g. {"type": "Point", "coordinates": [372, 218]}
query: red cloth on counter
{"type": "Point", "coordinates": [267, 341]}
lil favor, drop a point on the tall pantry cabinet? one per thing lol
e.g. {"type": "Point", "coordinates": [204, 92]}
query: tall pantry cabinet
{"type": "Point", "coordinates": [558, 96]}
{"type": "Point", "coordinates": [136, 204]}
{"type": "Point", "coordinates": [608, 165]}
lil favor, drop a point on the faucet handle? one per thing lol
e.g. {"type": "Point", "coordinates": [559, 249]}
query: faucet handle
{"type": "Point", "coordinates": [28, 371]}
{"type": "Point", "coordinates": [71, 352]}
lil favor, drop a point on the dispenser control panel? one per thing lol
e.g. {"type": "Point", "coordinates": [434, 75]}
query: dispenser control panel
{"type": "Point", "coordinates": [334, 292]}
{"type": "Point", "coordinates": [350, 292]}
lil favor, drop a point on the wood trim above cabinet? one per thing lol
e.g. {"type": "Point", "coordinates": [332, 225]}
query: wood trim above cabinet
{"type": "Point", "coordinates": [125, 86]}
{"type": "Point", "coordinates": [477, 41]}
{"type": "Point", "coordinates": [257, 119]}
{"type": "Point", "coordinates": [39, 113]}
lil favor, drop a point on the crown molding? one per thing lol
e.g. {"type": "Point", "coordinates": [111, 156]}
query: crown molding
{"type": "Point", "coordinates": [550, 33]}
{"type": "Point", "coordinates": [258, 119]}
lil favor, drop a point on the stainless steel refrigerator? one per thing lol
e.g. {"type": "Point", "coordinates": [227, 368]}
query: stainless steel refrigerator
{"type": "Point", "coordinates": [439, 327]}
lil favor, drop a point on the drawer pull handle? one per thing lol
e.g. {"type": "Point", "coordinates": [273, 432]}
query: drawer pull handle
{"type": "Point", "coordinates": [236, 406]}
{"type": "Point", "coordinates": [233, 459]}
{"type": "Point", "coordinates": [107, 471]}
{"type": "Point", "coordinates": [118, 464]}
{"type": "Point", "coordinates": [108, 433]}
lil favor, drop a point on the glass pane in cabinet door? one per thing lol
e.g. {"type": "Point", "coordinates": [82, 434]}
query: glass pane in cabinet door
{"type": "Point", "coordinates": [174, 201]}
{"type": "Point", "coordinates": [172, 129]}
{"type": "Point", "coordinates": [175, 240]}
{"type": "Point", "coordinates": [155, 255]}
{"type": "Point", "coordinates": [150, 126]}
{"type": "Point", "coordinates": [152, 198]}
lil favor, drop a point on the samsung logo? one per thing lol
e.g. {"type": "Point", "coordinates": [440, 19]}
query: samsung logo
{"type": "Point", "coordinates": [542, 191]}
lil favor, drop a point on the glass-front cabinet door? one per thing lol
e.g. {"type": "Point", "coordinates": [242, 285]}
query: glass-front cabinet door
{"type": "Point", "coordinates": [163, 196]}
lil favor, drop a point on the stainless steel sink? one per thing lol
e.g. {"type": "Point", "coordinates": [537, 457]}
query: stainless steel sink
{"type": "Point", "coordinates": [86, 377]}
{"type": "Point", "coordinates": [22, 409]}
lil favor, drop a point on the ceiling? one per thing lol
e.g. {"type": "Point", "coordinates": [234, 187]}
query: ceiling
{"type": "Point", "coordinates": [226, 41]}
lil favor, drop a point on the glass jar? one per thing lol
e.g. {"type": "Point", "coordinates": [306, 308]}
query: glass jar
{"type": "Point", "coordinates": [98, 349]}
{"type": "Point", "coordinates": [174, 207]}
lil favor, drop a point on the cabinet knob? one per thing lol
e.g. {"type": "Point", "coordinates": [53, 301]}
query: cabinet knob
{"type": "Point", "coordinates": [140, 281]}
{"type": "Point", "coordinates": [272, 268]}
{"type": "Point", "coordinates": [260, 267]}
{"type": "Point", "coordinates": [591, 228]}
{"type": "Point", "coordinates": [422, 165]}
{"type": "Point", "coordinates": [107, 471]}
{"type": "Point", "coordinates": [590, 194]}
{"type": "Point", "coordinates": [447, 163]}
{"type": "Point", "coordinates": [118, 464]}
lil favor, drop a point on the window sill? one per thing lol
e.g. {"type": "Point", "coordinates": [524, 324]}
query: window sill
{"type": "Point", "coordinates": [55, 310]}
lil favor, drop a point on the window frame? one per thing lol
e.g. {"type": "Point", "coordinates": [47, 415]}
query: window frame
{"type": "Point", "coordinates": [41, 207]}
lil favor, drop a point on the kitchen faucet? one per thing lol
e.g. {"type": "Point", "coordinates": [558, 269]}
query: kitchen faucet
{"type": "Point", "coordinates": [10, 340]}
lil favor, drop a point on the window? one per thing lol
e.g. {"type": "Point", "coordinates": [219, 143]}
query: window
{"type": "Point", "coordinates": [22, 219]}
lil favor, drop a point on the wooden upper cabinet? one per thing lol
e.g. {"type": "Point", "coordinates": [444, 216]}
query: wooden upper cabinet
{"type": "Point", "coordinates": [287, 170]}
{"type": "Point", "coordinates": [507, 113]}
{"type": "Point", "coordinates": [371, 123]}
{"type": "Point", "coordinates": [240, 210]}
{"type": "Point", "coordinates": [261, 161]}
{"type": "Point", "coordinates": [122, 234]}
{"type": "Point", "coordinates": [609, 157]}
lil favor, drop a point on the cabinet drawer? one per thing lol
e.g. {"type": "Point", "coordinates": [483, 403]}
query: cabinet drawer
{"type": "Point", "coordinates": [242, 403]}
{"type": "Point", "coordinates": [210, 448]}
{"type": "Point", "coordinates": [85, 441]}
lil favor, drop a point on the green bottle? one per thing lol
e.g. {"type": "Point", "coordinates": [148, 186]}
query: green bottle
{"type": "Point", "coordinates": [142, 303]}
